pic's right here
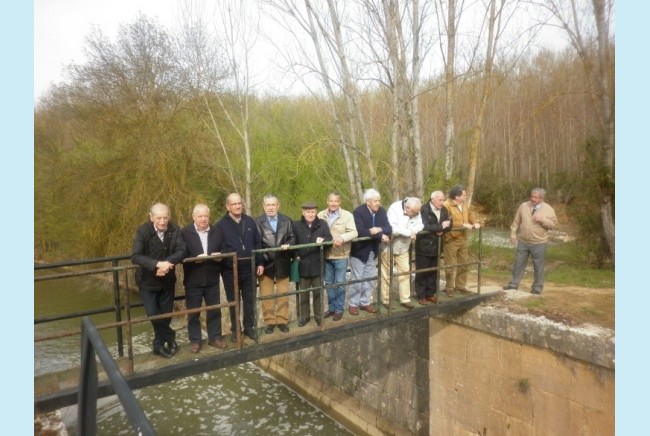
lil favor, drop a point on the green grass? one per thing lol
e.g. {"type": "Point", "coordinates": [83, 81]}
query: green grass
{"type": "Point", "coordinates": [566, 264]}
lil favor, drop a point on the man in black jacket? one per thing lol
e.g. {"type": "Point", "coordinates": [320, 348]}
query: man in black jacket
{"type": "Point", "coordinates": [310, 229]}
{"type": "Point", "coordinates": [157, 247]}
{"type": "Point", "coordinates": [201, 278]}
{"type": "Point", "coordinates": [276, 230]}
{"type": "Point", "coordinates": [240, 236]}
{"type": "Point", "coordinates": [436, 221]}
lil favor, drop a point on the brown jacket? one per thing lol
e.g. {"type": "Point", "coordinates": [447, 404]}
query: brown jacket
{"type": "Point", "coordinates": [458, 218]}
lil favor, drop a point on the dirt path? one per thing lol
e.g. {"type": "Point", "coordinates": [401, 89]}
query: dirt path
{"type": "Point", "coordinates": [572, 305]}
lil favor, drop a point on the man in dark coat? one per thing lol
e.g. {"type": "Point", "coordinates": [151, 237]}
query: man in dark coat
{"type": "Point", "coordinates": [276, 231]}
{"type": "Point", "coordinates": [309, 229]}
{"type": "Point", "coordinates": [201, 278]}
{"type": "Point", "coordinates": [240, 236]}
{"type": "Point", "coordinates": [427, 244]}
{"type": "Point", "coordinates": [371, 221]}
{"type": "Point", "coordinates": [157, 248]}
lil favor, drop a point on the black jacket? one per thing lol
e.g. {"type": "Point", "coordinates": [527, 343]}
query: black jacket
{"type": "Point", "coordinates": [276, 263]}
{"type": "Point", "coordinates": [426, 244]}
{"type": "Point", "coordinates": [206, 273]}
{"type": "Point", "coordinates": [242, 239]}
{"type": "Point", "coordinates": [310, 261]}
{"type": "Point", "coordinates": [148, 250]}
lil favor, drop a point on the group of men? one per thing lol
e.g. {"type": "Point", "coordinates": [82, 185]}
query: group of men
{"type": "Point", "coordinates": [358, 240]}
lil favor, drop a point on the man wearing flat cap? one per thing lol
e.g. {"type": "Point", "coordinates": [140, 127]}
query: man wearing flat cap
{"type": "Point", "coordinates": [308, 230]}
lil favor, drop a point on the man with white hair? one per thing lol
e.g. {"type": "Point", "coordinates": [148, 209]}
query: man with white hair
{"type": "Point", "coordinates": [371, 220]}
{"type": "Point", "coordinates": [157, 248]}
{"type": "Point", "coordinates": [404, 218]}
{"type": "Point", "coordinates": [201, 278]}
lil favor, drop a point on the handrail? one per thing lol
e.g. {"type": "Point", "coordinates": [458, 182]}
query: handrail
{"type": "Point", "coordinates": [91, 345]}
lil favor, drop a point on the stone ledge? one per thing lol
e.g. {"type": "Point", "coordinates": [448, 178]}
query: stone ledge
{"type": "Point", "coordinates": [588, 343]}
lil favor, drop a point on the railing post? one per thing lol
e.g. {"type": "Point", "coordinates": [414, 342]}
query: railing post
{"type": "Point", "coordinates": [480, 262]}
{"type": "Point", "coordinates": [118, 308]}
{"type": "Point", "coordinates": [87, 400]}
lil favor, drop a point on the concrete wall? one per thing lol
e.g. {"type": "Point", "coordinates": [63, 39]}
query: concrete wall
{"type": "Point", "coordinates": [485, 372]}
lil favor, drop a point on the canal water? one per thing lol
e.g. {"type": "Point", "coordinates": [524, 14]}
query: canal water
{"type": "Point", "coordinates": [240, 400]}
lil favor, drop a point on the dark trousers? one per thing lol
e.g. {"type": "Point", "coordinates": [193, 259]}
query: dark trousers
{"type": "Point", "coordinates": [158, 303]}
{"type": "Point", "coordinates": [426, 283]}
{"type": "Point", "coordinates": [247, 293]}
{"type": "Point", "coordinates": [303, 308]}
{"type": "Point", "coordinates": [194, 297]}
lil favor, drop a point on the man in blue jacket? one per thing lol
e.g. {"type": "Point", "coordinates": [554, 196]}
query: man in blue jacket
{"type": "Point", "coordinates": [240, 236]}
{"type": "Point", "coordinates": [371, 221]}
{"type": "Point", "coordinates": [157, 248]}
{"type": "Point", "coordinates": [201, 278]}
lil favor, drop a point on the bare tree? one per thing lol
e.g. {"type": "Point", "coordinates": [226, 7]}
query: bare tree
{"type": "Point", "coordinates": [231, 42]}
{"type": "Point", "coordinates": [398, 48]}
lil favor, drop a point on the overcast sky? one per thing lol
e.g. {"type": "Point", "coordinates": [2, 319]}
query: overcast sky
{"type": "Point", "coordinates": [60, 27]}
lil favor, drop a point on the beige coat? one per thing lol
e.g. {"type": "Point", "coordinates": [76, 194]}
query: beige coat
{"type": "Point", "coordinates": [534, 232]}
{"type": "Point", "coordinates": [344, 228]}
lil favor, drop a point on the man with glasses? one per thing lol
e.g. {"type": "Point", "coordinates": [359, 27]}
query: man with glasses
{"type": "Point", "coordinates": [240, 236]}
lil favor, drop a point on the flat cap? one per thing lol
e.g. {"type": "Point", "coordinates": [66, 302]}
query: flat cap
{"type": "Point", "coordinates": [309, 205]}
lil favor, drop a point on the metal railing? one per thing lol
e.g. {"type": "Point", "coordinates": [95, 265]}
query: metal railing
{"type": "Point", "coordinates": [122, 300]}
{"type": "Point", "coordinates": [91, 346]}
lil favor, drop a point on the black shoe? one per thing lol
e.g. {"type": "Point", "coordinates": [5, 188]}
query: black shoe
{"type": "Point", "coordinates": [283, 328]}
{"type": "Point", "coordinates": [328, 313]}
{"type": "Point", "coordinates": [302, 322]}
{"type": "Point", "coordinates": [536, 292]}
{"type": "Point", "coordinates": [269, 329]}
{"type": "Point", "coordinates": [161, 351]}
{"type": "Point", "coordinates": [318, 321]}
{"type": "Point", "coordinates": [509, 287]}
{"type": "Point", "coordinates": [249, 333]}
{"type": "Point", "coordinates": [233, 337]}
{"type": "Point", "coordinates": [172, 347]}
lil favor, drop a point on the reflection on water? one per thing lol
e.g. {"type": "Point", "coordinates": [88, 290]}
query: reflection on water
{"type": "Point", "coordinates": [70, 295]}
{"type": "Point", "coordinates": [241, 400]}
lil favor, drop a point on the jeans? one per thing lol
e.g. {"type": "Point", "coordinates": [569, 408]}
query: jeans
{"type": "Point", "coordinates": [361, 293]}
{"type": "Point", "coordinates": [335, 270]}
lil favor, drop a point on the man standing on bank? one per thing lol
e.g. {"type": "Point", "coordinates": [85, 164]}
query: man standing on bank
{"type": "Point", "coordinates": [371, 220]}
{"type": "Point", "coordinates": [341, 224]}
{"type": "Point", "coordinates": [240, 236]}
{"type": "Point", "coordinates": [529, 231]}
{"type": "Point", "coordinates": [404, 218]}
{"type": "Point", "coordinates": [201, 278]}
{"type": "Point", "coordinates": [456, 250]}
{"type": "Point", "coordinates": [157, 247]}
{"type": "Point", "coordinates": [276, 230]}
{"type": "Point", "coordinates": [309, 230]}
{"type": "Point", "coordinates": [435, 221]}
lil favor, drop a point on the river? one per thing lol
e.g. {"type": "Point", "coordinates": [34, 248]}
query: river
{"type": "Point", "coordinates": [240, 400]}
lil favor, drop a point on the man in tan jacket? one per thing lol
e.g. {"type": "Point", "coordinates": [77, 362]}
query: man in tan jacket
{"type": "Point", "coordinates": [529, 231]}
{"type": "Point", "coordinates": [343, 229]}
{"type": "Point", "coordinates": [456, 251]}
